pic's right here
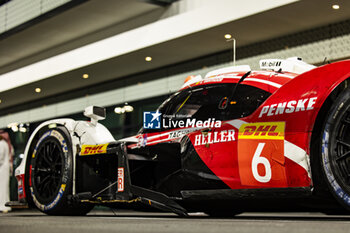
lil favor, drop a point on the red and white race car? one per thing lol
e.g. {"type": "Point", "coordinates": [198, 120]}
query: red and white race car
{"type": "Point", "coordinates": [237, 140]}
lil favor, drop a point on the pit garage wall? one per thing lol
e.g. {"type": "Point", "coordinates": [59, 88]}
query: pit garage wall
{"type": "Point", "coordinates": [314, 53]}
{"type": "Point", "coordinates": [16, 12]}
{"type": "Point", "coordinates": [171, 26]}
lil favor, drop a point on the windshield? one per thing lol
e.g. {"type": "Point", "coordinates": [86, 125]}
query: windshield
{"type": "Point", "coordinates": [204, 102]}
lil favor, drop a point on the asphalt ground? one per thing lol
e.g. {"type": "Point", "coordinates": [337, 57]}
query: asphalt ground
{"type": "Point", "coordinates": [109, 220]}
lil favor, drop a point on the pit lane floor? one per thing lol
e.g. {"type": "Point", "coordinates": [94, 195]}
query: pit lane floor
{"type": "Point", "coordinates": [101, 221]}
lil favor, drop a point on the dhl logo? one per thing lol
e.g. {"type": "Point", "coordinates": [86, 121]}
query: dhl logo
{"type": "Point", "coordinates": [263, 130]}
{"type": "Point", "coordinates": [93, 149]}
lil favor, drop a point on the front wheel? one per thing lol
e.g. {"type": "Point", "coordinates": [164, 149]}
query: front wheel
{"type": "Point", "coordinates": [51, 174]}
{"type": "Point", "coordinates": [335, 149]}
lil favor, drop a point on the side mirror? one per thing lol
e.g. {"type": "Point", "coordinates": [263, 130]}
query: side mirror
{"type": "Point", "coordinates": [95, 113]}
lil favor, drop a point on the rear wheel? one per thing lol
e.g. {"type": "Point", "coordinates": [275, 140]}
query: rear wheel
{"type": "Point", "coordinates": [51, 172]}
{"type": "Point", "coordinates": [335, 148]}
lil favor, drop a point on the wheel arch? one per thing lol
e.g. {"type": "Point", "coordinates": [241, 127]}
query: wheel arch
{"type": "Point", "coordinates": [320, 187]}
{"type": "Point", "coordinates": [69, 124]}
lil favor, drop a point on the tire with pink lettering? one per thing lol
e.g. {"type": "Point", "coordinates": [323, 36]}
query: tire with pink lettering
{"type": "Point", "coordinates": [335, 149]}
{"type": "Point", "coordinates": [51, 172]}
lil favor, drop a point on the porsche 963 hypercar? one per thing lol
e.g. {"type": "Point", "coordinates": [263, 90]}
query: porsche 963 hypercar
{"type": "Point", "coordinates": [236, 140]}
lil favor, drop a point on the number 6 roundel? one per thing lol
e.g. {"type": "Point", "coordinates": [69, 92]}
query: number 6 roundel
{"type": "Point", "coordinates": [261, 159]}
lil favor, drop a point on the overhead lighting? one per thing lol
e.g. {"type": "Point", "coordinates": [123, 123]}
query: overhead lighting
{"type": "Point", "coordinates": [128, 108]}
{"type": "Point", "coordinates": [125, 108]}
{"type": "Point", "coordinates": [22, 130]}
{"type": "Point", "coordinates": [85, 76]}
{"type": "Point", "coordinates": [335, 7]}
{"type": "Point", "coordinates": [37, 90]}
{"type": "Point", "coordinates": [118, 110]}
{"type": "Point", "coordinates": [14, 128]}
{"type": "Point", "coordinates": [228, 36]}
{"type": "Point", "coordinates": [148, 58]}
{"type": "Point", "coordinates": [52, 126]}
{"type": "Point", "coordinates": [12, 124]}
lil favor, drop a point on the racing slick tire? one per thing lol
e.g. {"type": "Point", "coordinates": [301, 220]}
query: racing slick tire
{"type": "Point", "coordinates": [335, 149]}
{"type": "Point", "coordinates": [51, 174]}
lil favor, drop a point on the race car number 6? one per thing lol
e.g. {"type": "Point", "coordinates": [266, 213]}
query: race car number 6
{"type": "Point", "coordinates": [257, 159]}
